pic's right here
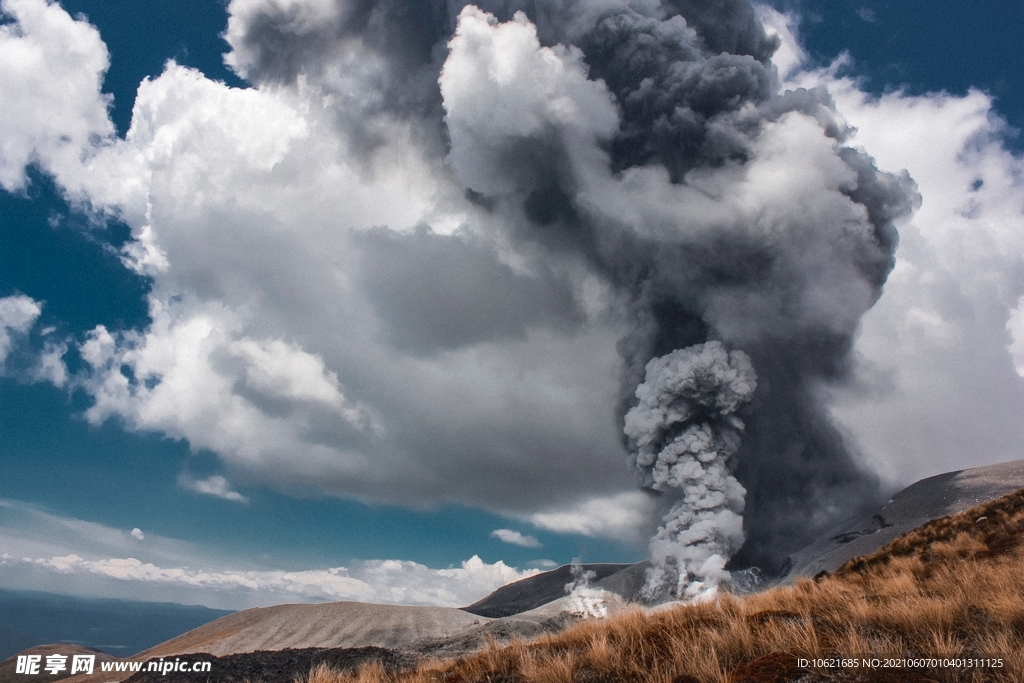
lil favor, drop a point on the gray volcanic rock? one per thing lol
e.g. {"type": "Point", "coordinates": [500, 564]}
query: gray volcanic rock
{"type": "Point", "coordinates": [626, 583]}
{"type": "Point", "coordinates": [928, 499]}
{"type": "Point", "coordinates": [534, 591]}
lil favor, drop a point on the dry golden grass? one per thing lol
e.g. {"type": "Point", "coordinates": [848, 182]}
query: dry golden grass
{"type": "Point", "coordinates": [954, 587]}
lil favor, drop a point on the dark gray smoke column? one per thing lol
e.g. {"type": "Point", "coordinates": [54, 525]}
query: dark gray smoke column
{"type": "Point", "coordinates": [661, 153]}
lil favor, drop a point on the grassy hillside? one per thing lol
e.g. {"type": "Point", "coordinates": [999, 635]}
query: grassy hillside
{"type": "Point", "coordinates": [952, 588]}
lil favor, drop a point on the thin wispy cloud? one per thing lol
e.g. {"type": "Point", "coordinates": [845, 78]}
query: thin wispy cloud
{"type": "Point", "coordinates": [867, 14]}
{"type": "Point", "coordinates": [516, 538]}
{"type": "Point", "coordinates": [214, 485]}
{"type": "Point", "coordinates": [392, 582]}
{"type": "Point", "coordinates": [100, 559]}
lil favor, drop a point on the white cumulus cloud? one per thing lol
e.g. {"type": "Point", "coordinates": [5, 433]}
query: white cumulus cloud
{"type": "Point", "coordinates": [18, 313]}
{"type": "Point", "coordinates": [51, 68]}
{"type": "Point", "coordinates": [279, 340]}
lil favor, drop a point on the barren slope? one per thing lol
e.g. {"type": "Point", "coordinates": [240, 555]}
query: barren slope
{"type": "Point", "coordinates": [928, 499]}
{"type": "Point", "coordinates": [333, 624]}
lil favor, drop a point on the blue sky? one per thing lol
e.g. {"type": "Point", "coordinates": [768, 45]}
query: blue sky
{"type": "Point", "coordinates": [951, 47]}
{"type": "Point", "coordinates": [379, 447]}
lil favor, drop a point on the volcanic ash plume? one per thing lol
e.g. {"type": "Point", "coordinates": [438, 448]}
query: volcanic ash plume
{"type": "Point", "coordinates": [684, 432]}
{"type": "Point", "coordinates": [653, 146]}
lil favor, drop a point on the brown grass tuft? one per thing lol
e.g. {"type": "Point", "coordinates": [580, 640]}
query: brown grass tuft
{"type": "Point", "coordinates": [952, 588]}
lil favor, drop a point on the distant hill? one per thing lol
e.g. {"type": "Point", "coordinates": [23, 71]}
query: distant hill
{"type": "Point", "coordinates": [120, 627]}
{"type": "Point", "coordinates": [534, 591]}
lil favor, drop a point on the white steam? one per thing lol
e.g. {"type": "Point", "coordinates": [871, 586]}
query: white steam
{"type": "Point", "coordinates": [684, 432]}
{"type": "Point", "coordinates": [585, 601]}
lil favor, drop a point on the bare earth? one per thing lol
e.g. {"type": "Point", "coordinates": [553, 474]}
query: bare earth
{"type": "Point", "coordinates": [333, 624]}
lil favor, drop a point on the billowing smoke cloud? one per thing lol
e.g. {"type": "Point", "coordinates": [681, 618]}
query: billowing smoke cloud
{"type": "Point", "coordinates": [685, 432]}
